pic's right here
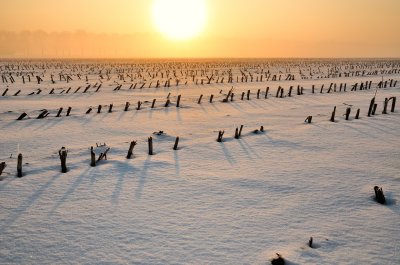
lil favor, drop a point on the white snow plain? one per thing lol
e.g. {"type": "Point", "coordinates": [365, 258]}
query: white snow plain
{"type": "Point", "coordinates": [236, 202]}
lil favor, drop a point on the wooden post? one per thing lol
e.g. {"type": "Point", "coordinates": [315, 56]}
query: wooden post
{"type": "Point", "coordinates": [59, 112]}
{"type": "Point", "coordinates": [313, 88]}
{"type": "Point", "coordinates": [167, 103]}
{"type": "Point", "coordinates": [258, 93]}
{"type": "Point", "coordinates": [63, 157]}
{"type": "Point", "coordinates": [19, 166]}
{"type": "Point", "coordinates": [211, 98]}
{"type": "Point", "coordinates": [220, 134]}
{"type": "Point", "coordinates": [178, 101]}
{"type": "Point", "coordinates": [348, 110]}
{"type": "Point", "coordinates": [199, 101]}
{"type": "Point", "coordinates": [385, 104]}
{"type": "Point", "coordinates": [266, 92]}
{"type": "Point", "coordinates": [152, 104]}
{"type": "Point", "coordinates": [371, 106]}
{"type": "Point", "coordinates": [310, 242]}
{"type": "Point", "coordinates": [176, 143]}
{"type": "Point", "coordinates": [240, 131]}
{"type": "Point", "coordinates": [290, 91]}
{"type": "Point", "coordinates": [282, 92]}
{"type": "Point", "coordinates": [374, 109]}
{"type": "Point", "coordinates": [308, 119]}
{"type": "Point", "coordinates": [110, 108]}
{"type": "Point", "coordinates": [242, 95]}
{"type": "Point", "coordinates": [379, 195]}
{"type": "Point", "coordinates": [2, 167]}
{"type": "Point", "coordinates": [127, 106]}
{"type": "Point", "coordinates": [237, 133]}
{"type": "Point", "coordinates": [92, 157]}
{"type": "Point", "coordinates": [130, 151]}
{"type": "Point", "coordinates": [99, 109]}
{"type": "Point", "coordinates": [23, 115]}
{"type": "Point", "coordinates": [393, 103]}
{"type": "Point", "coordinates": [357, 114]}
{"type": "Point", "coordinates": [248, 94]}
{"type": "Point", "coordinates": [69, 111]}
{"type": "Point", "coordinates": [333, 114]}
{"type": "Point", "coordinates": [89, 110]}
{"type": "Point", "coordinates": [262, 129]}
{"type": "Point", "coordinates": [138, 105]}
{"type": "Point", "coordinates": [150, 142]}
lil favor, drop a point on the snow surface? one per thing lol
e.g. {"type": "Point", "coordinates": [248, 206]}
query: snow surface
{"type": "Point", "coordinates": [235, 202]}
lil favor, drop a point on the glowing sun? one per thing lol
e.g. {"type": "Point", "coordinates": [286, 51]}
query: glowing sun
{"type": "Point", "coordinates": [179, 19]}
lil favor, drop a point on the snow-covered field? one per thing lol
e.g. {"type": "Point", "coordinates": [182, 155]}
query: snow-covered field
{"type": "Point", "coordinates": [236, 202]}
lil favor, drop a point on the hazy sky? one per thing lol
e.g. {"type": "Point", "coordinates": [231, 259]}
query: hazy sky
{"type": "Point", "coordinates": [234, 28]}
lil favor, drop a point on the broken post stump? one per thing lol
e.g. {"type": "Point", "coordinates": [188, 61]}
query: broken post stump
{"type": "Point", "coordinates": [150, 142]}
{"type": "Point", "coordinates": [63, 157]}
{"type": "Point", "coordinates": [130, 151]}
{"type": "Point", "coordinates": [379, 197]}
{"type": "Point", "coordinates": [220, 134]}
{"type": "Point", "coordinates": [126, 106]}
{"type": "Point", "coordinates": [308, 119]}
{"type": "Point", "coordinates": [357, 114]}
{"type": "Point", "coordinates": [59, 112]}
{"type": "Point", "coordinates": [3, 165]}
{"type": "Point", "coordinates": [333, 114]}
{"type": "Point", "coordinates": [23, 115]}
{"type": "Point", "coordinates": [348, 110]}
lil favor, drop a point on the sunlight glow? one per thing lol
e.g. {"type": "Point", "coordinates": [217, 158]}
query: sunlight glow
{"type": "Point", "coordinates": [179, 19]}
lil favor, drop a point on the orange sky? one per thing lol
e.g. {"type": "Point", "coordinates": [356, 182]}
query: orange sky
{"type": "Point", "coordinates": [234, 28]}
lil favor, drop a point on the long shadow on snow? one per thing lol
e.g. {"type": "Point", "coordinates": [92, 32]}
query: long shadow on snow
{"type": "Point", "coordinates": [122, 169]}
{"type": "Point", "coordinates": [70, 191]}
{"type": "Point", "coordinates": [24, 206]}
{"type": "Point", "coordinates": [231, 160]}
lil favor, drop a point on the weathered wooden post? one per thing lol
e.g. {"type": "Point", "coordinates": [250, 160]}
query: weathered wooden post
{"type": "Point", "coordinates": [240, 131]}
{"type": "Point", "coordinates": [290, 91]}
{"type": "Point", "coordinates": [59, 112]}
{"type": "Point", "coordinates": [152, 104]}
{"type": "Point", "coordinates": [127, 106]}
{"type": "Point", "coordinates": [357, 114]}
{"type": "Point", "coordinates": [19, 166]}
{"type": "Point", "coordinates": [110, 108]}
{"type": "Point", "coordinates": [237, 133]}
{"type": "Point", "coordinates": [150, 142]}
{"type": "Point", "coordinates": [63, 157]}
{"type": "Point", "coordinates": [282, 92]}
{"type": "Point", "coordinates": [333, 114]}
{"type": "Point", "coordinates": [211, 98]}
{"type": "Point", "coordinates": [69, 111]}
{"type": "Point", "coordinates": [371, 106]}
{"type": "Point", "coordinates": [393, 103]}
{"type": "Point", "coordinates": [242, 95]}
{"type": "Point", "coordinates": [379, 195]}
{"type": "Point", "coordinates": [167, 103]}
{"type": "Point", "coordinates": [176, 143]}
{"type": "Point", "coordinates": [262, 129]}
{"type": "Point", "coordinates": [348, 110]}
{"type": "Point", "coordinates": [130, 151]}
{"type": "Point", "coordinates": [248, 94]}
{"type": "Point", "coordinates": [308, 119]}
{"type": "Point", "coordinates": [89, 110]}
{"type": "Point", "coordinates": [313, 88]}
{"type": "Point", "coordinates": [266, 92]}
{"type": "Point", "coordinates": [3, 165]}
{"type": "Point", "coordinates": [310, 242]}
{"type": "Point", "coordinates": [92, 157]}
{"type": "Point", "coordinates": [99, 109]}
{"type": "Point", "coordinates": [199, 101]}
{"type": "Point", "coordinates": [178, 101]}
{"type": "Point", "coordinates": [374, 109]}
{"type": "Point", "coordinates": [220, 134]}
{"type": "Point", "coordinates": [138, 105]}
{"type": "Point", "coordinates": [23, 115]}
{"type": "Point", "coordinates": [385, 104]}
{"type": "Point", "coordinates": [258, 93]}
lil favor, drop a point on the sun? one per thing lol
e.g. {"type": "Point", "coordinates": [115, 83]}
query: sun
{"type": "Point", "coordinates": [179, 19]}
